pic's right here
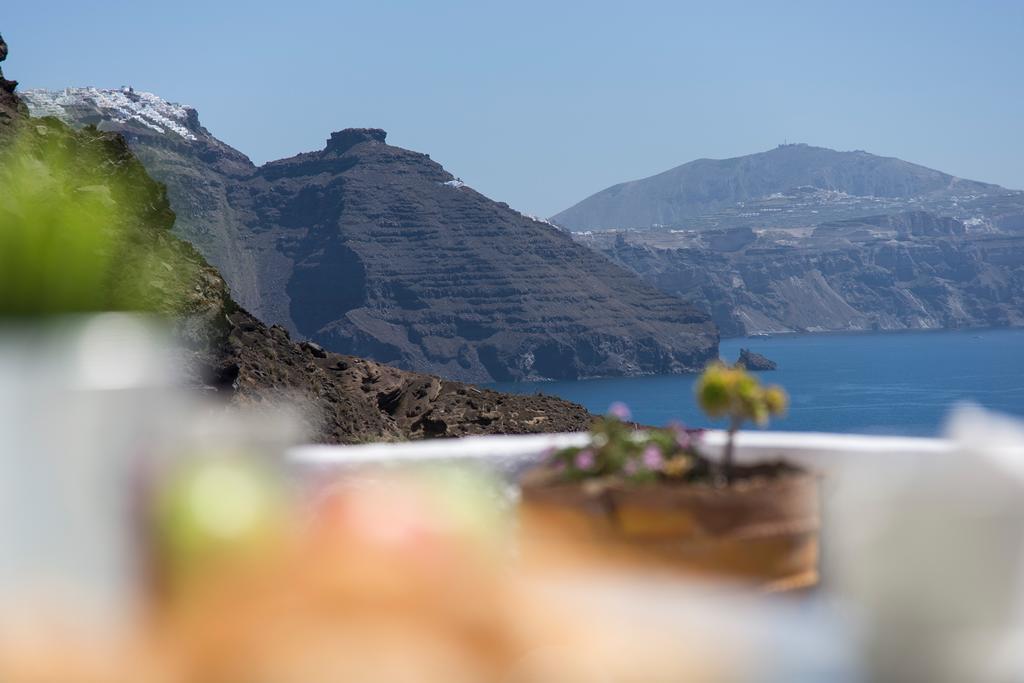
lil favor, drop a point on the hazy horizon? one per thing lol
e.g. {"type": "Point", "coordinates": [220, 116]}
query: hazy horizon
{"type": "Point", "coordinates": [542, 106]}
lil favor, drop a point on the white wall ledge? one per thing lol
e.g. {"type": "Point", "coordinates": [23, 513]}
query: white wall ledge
{"type": "Point", "coordinates": [815, 449]}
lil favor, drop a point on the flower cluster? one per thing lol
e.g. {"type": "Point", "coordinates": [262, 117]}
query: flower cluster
{"type": "Point", "coordinates": [731, 391]}
{"type": "Point", "coordinates": [617, 450]}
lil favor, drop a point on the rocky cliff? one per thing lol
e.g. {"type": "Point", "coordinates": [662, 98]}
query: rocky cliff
{"type": "Point", "coordinates": [346, 399]}
{"type": "Point", "coordinates": [11, 108]}
{"type": "Point", "coordinates": [200, 172]}
{"type": "Point", "coordinates": [375, 250]}
{"type": "Point", "coordinates": [378, 251]}
{"type": "Point", "coordinates": [893, 272]}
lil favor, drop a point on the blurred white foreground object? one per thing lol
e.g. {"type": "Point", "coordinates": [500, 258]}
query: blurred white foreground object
{"type": "Point", "coordinates": [998, 438]}
{"type": "Point", "coordinates": [927, 552]}
{"type": "Point", "coordinates": [81, 397]}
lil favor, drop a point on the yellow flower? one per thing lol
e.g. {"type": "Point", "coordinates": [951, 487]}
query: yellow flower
{"type": "Point", "coordinates": [677, 466]}
{"type": "Point", "coordinates": [713, 390]}
{"type": "Point", "coordinates": [776, 400]}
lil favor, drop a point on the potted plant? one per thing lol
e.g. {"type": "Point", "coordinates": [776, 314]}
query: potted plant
{"type": "Point", "coordinates": [653, 495]}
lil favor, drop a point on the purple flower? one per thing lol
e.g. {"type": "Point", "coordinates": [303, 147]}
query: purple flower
{"type": "Point", "coordinates": [585, 460]}
{"type": "Point", "coordinates": [620, 410]}
{"type": "Point", "coordinates": [631, 467]}
{"type": "Point", "coordinates": [652, 457]}
{"type": "Point", "coordinates": [682, 436]}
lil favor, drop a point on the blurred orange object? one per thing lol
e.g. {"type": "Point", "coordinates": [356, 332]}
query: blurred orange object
{"type": "Point", "coordinates": [394, 580]}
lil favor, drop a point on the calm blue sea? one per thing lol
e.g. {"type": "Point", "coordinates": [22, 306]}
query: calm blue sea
{"type": "Point", "coordinates": [886, 383]}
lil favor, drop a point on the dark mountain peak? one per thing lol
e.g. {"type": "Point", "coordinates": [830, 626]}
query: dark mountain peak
{"type": "Point", "coordinates": [383, 253]}
{"type": "Point", "coordinates": [343, 140]}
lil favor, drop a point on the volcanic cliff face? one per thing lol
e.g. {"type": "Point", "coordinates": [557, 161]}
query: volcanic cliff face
{"type": "Point", "coordinates": [345, 399]}
{"type": "Point", "coordinates": [788, 186]}
{"type": "Point", "coordinates": [374, 250]}
{"type": "Point", "coordinates": [893, 272]}
{"type": "Point", "coordinates": [378, 251]}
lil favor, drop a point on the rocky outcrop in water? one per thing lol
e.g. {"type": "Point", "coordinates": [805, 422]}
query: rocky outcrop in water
{"type": "Point", "coordinates": [752, 360]}
{"type": "Point", "coordinates": [373, 250]}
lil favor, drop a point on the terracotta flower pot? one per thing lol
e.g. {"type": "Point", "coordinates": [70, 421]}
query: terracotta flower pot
{"type": "Point", "coordinates": [761, 529]}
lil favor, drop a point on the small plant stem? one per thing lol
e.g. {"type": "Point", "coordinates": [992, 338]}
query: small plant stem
{"type": "Point", "coordinates": [727, 460]}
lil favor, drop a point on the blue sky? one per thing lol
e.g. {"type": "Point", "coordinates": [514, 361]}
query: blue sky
{"type": "Point", "coordinates": [543, 103]}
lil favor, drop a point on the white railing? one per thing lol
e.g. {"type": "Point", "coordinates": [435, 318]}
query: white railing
{"type": "Point", "coordinates": [511, 453]}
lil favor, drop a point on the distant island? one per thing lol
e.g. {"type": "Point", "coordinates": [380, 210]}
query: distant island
{"type": "Point", "coordinates": [808, 239]}
{"type": "Point", "coordinates": [790, 186]}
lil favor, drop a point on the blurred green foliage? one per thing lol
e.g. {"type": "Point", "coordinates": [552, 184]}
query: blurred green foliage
{"type": "Point", "coordinates": [79, 227]}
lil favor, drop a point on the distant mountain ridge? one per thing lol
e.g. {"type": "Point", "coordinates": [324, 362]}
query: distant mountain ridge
{"type": "Point", "coordinates": [378, 251]}
{"type": "Point", "coordinates": [788, 176]}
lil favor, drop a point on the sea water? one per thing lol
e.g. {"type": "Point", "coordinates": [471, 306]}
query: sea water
{"type": "Point", "coordinates": [872, 383]}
